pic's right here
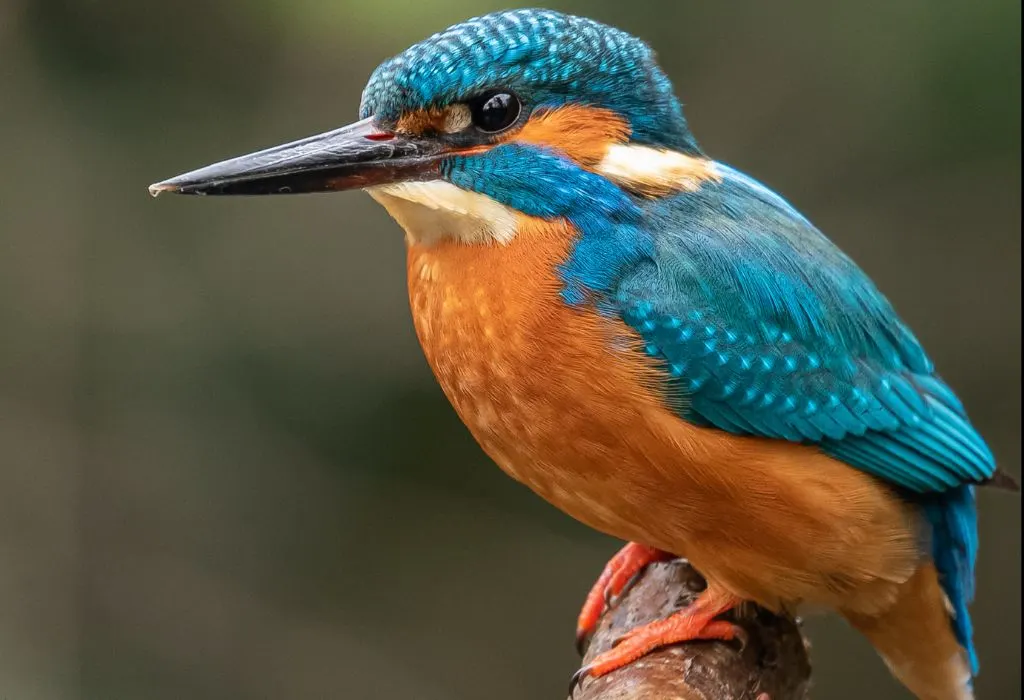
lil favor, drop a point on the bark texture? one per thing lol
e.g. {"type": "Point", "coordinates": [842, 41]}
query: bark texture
{"type": "Point", "coordinates": [772, 664]}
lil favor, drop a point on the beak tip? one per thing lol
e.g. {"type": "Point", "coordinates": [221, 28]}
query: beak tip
{"type": "Point", "coordinates": [159, 187]}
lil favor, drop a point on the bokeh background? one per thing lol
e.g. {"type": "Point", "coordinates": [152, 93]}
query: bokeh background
{"type": "Point", "coordinates": [225, 468]}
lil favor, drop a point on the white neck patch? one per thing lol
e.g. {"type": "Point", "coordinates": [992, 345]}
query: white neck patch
{"type": "Point", "coordinates": [654, 171]}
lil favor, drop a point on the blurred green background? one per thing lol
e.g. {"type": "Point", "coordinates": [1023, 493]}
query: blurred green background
{"type": "Point", "coordinates": [226, 469]}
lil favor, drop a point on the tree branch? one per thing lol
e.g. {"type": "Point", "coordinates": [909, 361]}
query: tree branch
{"type": "Point", "coordinates": [771, 665]}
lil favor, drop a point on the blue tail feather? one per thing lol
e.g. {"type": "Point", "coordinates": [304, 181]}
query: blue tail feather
{"type": "Point", "coordinates": [954, 520]}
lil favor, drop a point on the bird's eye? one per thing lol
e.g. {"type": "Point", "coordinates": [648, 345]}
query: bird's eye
{"type": "Point", "coordinates": [495, 111]}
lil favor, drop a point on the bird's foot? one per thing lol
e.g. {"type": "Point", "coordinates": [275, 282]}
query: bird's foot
{"type": "Point", "coordinates": [619, 574]}
{"type": "Point", "coordinates": [696, 621]}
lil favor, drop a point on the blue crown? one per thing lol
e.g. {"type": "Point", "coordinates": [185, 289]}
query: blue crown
{"type": "Point", "coordinates": [547, 58]}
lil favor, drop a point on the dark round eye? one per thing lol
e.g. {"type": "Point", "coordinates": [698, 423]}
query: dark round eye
{"type": "Point", "coordinates": [495, 111]}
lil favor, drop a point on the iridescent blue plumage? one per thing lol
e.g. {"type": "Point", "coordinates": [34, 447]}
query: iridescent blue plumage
{"type": "Point", "coordinates": [547, 58]}
{"type": "Point", "coordinates": [541, 183]}
{"type": "Point", "coordinates": [767, 329]}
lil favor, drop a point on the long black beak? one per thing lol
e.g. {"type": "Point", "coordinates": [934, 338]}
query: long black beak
{"type": "Point", "coordinates": [354, 156]}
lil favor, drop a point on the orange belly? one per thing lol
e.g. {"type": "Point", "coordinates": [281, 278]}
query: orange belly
{"type": "Point", "coordinates": [565, 401]}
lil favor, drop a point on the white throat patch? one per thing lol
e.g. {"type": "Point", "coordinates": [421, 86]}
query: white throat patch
{"type": "Point", "coordinates": [435, 210]}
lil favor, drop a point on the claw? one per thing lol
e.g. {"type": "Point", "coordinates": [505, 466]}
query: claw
{"type": "Point", "coordinates": [581, 641]}
{"type": "Point", "coordinates": [740, 635]}
{"type": "Point", "coordinates": [607, 597]}
{"type": "Point", "coordinates": [577, 680]}
{"type": "Point", "coordinates": [613, 596]}
{"type": "Point", "coordinates": [628, 585]}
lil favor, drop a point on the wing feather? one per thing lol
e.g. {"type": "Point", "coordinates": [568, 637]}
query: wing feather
{"type": "Point", "coordinates": [767, 329]}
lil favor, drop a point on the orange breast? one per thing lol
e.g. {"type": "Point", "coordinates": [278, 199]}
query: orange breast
{"type": "Point", "coordinates": [563, 401]}
{"type": "Point", "coordinates": [537, 382]}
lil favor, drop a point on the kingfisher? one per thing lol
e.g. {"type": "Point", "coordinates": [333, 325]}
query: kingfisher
{"type": "Point", "coordinates": [656, 343]}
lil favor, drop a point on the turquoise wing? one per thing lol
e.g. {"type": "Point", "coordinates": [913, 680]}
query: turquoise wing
{"type": "Point", "coordinates": [765, 328]}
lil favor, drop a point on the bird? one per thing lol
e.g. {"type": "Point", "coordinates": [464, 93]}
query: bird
{"type": "Point", "coordinates": [656, 343]}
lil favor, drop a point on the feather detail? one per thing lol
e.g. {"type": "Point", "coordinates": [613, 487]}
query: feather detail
{"type": "Point", "coordinates": [770, 331]}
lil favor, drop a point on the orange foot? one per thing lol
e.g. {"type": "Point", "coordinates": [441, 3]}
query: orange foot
{"type": "Point", "coordinates": [696, 621]}
{"type": "Point", "coordinates": [619, 573]}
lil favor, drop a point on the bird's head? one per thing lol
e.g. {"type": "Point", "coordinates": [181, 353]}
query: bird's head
{"type": "Point", "coordinates": [513, 112]}
{"type": "Point", "coordinates": [481, 81]}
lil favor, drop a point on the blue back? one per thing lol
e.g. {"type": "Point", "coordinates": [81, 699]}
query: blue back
{"type": "Point", "coordinates": [765, 328]}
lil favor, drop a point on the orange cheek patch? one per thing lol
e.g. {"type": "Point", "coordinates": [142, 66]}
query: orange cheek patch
{"type": "Point", "coordinates": [447, 120]}
{"type": "Point", "coordinates": [421, 121]}
{"type": "Point", "coordinates": [582, 133]}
